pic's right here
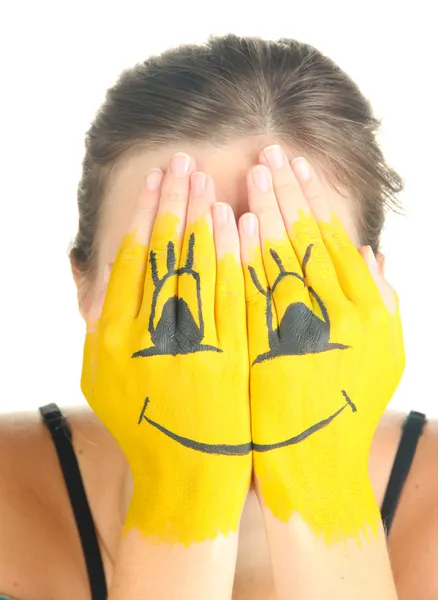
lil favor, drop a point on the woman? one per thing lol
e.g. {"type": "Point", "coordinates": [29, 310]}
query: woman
{"type": "Point", "coordinates": [222, 104]}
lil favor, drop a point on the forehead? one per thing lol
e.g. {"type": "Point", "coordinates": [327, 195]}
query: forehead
{"type": "Point", "coordinates": [228, 165]}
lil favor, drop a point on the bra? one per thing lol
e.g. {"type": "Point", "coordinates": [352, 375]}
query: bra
{"type": "Point", "coordinates": [62, 436]}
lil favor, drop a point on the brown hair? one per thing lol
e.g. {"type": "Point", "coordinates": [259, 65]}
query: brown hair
{"type": "Point", "coordinates": [239, 86]}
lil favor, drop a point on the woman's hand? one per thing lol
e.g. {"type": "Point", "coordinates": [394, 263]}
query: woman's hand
{"type": "Point", "coordinates": [326, 352]}
{"type": "Point", "coordinates": [166, 363]}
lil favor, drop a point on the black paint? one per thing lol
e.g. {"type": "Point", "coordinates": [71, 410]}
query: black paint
{"type": "Point", "coordinates": [177, 331]}
{"type": "Point", "coordinates": [242, 449]}
{"type": "Point", "coordinates": [353, 406]}
{"type": "Point", "coordinates": [227, 449]}
{"type": "Point", "coordinates": [307, 432]}
{"type": "Point", "coordinates": [300, 330]}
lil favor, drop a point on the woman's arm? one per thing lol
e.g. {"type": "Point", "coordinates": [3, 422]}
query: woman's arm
{"type": "Point", "coordinates": [166, 371]}
{"type": "Point", "coordinates": [145, 569]}
{"type": "Point", "coordinates": [306, 567]}
{"type": "Point", "coordinates": [199, 570]}
{"type": "Point", "coordinates": [325, 339]}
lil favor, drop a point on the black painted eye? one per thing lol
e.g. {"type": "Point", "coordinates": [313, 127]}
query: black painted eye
{"type": "Point", "coordinates": [179, 329]}
{"type": "Point", "coordinates": [300, 330]}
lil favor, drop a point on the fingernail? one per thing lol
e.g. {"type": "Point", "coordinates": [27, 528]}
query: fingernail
{"type": "Point", "coordinates": [275, 156]}
{"type": "Point", "coordinates": [301, 168]}
{"type": "Point", "coordinates": [199, 183]}
{"type": "Point", "coordinates": [262, 178]}
{"type": "Point", "coordinates": [179, 165]}
{"type": "Point", "coordinates": [220, 213]}
{"type": "Point", "coordinates": [153, 180]}
{"type": "Point", "coordinates": [249, 224]}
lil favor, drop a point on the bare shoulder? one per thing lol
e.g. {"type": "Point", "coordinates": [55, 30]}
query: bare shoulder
{"type": "Point", "coordinates": [40, 551]}
{"type": "Point", "coordinates": [413, 539]}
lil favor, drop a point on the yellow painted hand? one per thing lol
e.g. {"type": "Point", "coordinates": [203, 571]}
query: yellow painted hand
{"type": "Point", "coordinates": [326, 356]}
{"type": "Point", "coordinates": [166, 367]}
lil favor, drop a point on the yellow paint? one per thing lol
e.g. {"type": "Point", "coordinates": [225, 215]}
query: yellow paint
{"type": "Point", "coordinates": [180, 494]}
{"type": "Point", "coordinates": [324, 477]}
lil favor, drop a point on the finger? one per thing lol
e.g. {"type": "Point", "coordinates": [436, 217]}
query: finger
{"type": "Point", "coordinates": [124, 292]}
{"type": "Point", "coordinates": [352, 273]}
{"type": "Point", "coordinates": [261, 315]}
{"type": "Point", "coordinates": [303, 231]}
{"type": "Point", "coordinates": [197, 267]}
{"type": "Point", "coordinates": [161, 281]}
{"type": "Point", "coordinates": [230, 310]}
{"type": "Point", "coordinates": [94, 309]}
{"type": "Point", "coordinates": [281, 265]}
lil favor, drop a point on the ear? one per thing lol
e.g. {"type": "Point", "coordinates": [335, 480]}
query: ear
{"type": "Point", "coordinates": [381, 262]}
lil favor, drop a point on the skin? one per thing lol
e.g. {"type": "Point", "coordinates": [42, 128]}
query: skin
{"type": "Point", "coordinates": [104, 466]}
{"type": "Point", "coordinates": [227, 165]}
{"type": "Point", "coordinates": [318, 487]}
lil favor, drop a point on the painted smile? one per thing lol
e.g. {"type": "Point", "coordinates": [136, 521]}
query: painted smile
{"type": "Point", "coordinates": [246, 448]}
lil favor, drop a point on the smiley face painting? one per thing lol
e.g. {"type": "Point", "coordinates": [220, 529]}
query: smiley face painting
{"type": "Point", "coordinates": [307, 371]}
{"type": "Point", "coordinates": [299, 332]}
{"type": "Point", "coordinates": [322, 314]}
{"type": "Point", "coordinates": [185, 435]}
{"type": "Point", "coordinates": [178, 331]}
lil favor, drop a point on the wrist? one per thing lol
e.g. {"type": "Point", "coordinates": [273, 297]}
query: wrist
{"type": "Point", "coordinates": [185, 507]}
{"type": "Point", "coordinates": [347, 508]}
{"type": "Point", "coordinates": [354, 567]}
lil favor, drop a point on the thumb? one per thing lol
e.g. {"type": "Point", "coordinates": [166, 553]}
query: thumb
{"type": "Point", "coordinates": [387, 292]}
{"type": "Point", "coordinates": [94, 309]}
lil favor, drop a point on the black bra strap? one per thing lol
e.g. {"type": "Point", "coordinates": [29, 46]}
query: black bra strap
{"type": "Point", "coordinates": [412, 429]}
{"type": "Point", "coordinates": [61, 434]}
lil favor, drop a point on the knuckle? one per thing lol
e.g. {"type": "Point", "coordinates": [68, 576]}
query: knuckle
{"type": "Point", "coordinates": [160, 249]}
{"type": "Point", "coordinates": [125, 259]}
{"type": "Point", "coordinates": [255, 299]}
{"type": "Point", "coordinates": [377, 315]}
{"type": "Point", "coordinates": [230, 289]}
{"type": "Point", "coordinates": [266, 208]}
{"type": "Point", "coordinates": [348, 321]}
{"type": "Point", "coordinates": [305, 235]}
{"type": "Point", "coordinates": [110, 336]}
{"type": "Point", "coordinates": [287, 187]}
{"type": "Point", "coordinates": [373, 313]}
{"type": "Point", "coordinates": [145, 212]}
{"type": "Point", "coordinates": [176, 197]}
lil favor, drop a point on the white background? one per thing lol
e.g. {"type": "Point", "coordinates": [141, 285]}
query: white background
{"type": "Point", "coordinates": [58, 58]}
